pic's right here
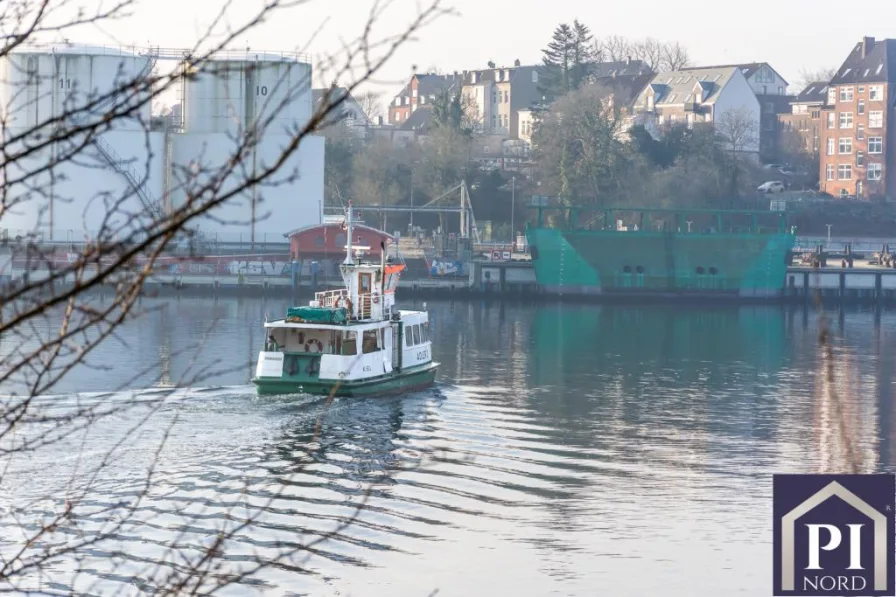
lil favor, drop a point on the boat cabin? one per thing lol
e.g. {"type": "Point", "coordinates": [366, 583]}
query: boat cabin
{"type": "Point", "coordinates": [369, 292]}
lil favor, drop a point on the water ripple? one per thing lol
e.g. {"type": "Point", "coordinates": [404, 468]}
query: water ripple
{"type": "Point", "coordinates": [591, 457]}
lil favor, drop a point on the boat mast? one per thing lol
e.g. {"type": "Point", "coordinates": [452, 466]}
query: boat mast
{"type": "Point", "coordinates": [348, 242]}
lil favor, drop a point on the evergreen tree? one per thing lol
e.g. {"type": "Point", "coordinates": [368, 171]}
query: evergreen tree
{"type": "Point", "coordinates": [583, 54]}
{"type": "Point", "coordinates": [566, 60]}
{"type": "Point", "coordinates": [553, 75]}
{"type": "Point", "coordinates": [448, 112]}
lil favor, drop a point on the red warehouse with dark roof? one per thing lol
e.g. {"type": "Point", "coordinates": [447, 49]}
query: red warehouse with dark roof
{"type": "Point", "coordinates": [327, 241]}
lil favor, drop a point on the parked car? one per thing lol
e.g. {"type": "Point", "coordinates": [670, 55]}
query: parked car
{"type": "Point", "coordinates": [772, 186]}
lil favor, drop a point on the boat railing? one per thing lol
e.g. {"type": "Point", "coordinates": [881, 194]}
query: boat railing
{"type": "Point", "coordinates": [328, 298]}
{"type": "Point", "coordinates": [369, 306]}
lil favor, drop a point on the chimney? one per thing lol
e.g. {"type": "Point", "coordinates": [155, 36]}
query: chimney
{"type": "Point", "coordinates": [628, 60]}
{"type": "Point", "coordinates": [516, 62]}
{"type": "Point", "coordinates": [867, 46]}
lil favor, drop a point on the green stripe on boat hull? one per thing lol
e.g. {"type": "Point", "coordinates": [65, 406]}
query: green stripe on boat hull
{"type": "Point", "coordinates": [408, 380]}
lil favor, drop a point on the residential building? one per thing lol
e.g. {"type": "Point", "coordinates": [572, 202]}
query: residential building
{"type": "Point", "coordinates": [763, 79]}
{"type": "Point", "coordinates": [350, 111]}
{"type": "Point", "coordinates": [494, 97]}
{"type": "Point", "coordinates": [771, 92]}
{"type": "Point", "coordinates": [421, 90]}
{"type": "Point", "coordinates": [525, 120]}
{"type": "Point", "coordinates": [857, 134]}
{"type": "Point", "coordinates": [800, 129]}
{"type": "Point", "coordinates": [718, 96]}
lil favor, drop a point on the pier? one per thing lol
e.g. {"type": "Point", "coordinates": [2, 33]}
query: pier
{"type": "Point", "coordinates": [861, 285]}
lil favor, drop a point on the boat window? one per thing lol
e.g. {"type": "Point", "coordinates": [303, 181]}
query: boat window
{"type": "Point", "coordinates": [368, 345]}
{"type": "Point", "coordinates": [416, 334]}
{"type": "Point", "coordinates": [426, 332]}
{"type": "Point", "coordinates": [407, 337]}
{"type": "Point", "coordinates": [349, 344]}
{"type": "Point", "coordinates": [364, 285]}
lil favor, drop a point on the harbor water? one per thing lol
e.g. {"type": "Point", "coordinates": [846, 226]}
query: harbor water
{"type": "Point", "coordinates": [565, 450]}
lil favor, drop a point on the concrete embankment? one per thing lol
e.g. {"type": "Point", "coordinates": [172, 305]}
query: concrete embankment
{"type": "Point", "coordinates": [870, 285]}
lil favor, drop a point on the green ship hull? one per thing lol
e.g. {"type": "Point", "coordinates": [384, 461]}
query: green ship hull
{"type": "Point", "coordinates": [631, 263]}
{"type": "Point", "coordinates": [407, 380]}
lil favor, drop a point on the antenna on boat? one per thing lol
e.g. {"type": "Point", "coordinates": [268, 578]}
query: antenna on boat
{"type": "Point", "coordinates": [348, 243]}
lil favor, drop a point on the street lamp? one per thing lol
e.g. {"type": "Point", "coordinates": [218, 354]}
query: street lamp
{"type": "Point", "coordinates": [689, 222]}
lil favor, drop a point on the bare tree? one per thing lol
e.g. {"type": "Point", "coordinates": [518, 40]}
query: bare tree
{"type": "Point", "coordinates": [371, 104]}
{"type": "Point", "coordinates": [738, 130]}
{"type": "Point", "coordinates": [51, 322]}
{"type": "Point", "coordinates": [650, 51]}
{"type": "Point", "coordinates": [614, 48]}
{"type": "Point", "coordinates": [657, 55]}
{"type": "Point", "coordinates": [818, 75]}
{"type": "Point", "coordinates": [675, 57]}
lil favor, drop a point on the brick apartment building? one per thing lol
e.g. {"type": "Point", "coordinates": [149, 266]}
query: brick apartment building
{"type": "Point", "coordinates": [801, 127]}
{"type": "Point", "coordinates": [420, 91]}
{"type": "Point", "coordinates": [856, 134]}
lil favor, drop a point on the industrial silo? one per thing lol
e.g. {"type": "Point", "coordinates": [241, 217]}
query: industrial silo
{"type": "Point", "coordinates": [235, 91]}
{"type": "Point", "coordinates": [71, 86]}
{"type": "Point", "coordinates": [228, 96]}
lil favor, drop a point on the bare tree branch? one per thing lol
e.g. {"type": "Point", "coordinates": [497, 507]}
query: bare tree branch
{"type": "Point", "coordinates": [52, 322]}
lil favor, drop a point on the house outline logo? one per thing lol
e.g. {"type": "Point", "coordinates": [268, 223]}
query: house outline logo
{"type": "Point", "coordinates": [857, 563]}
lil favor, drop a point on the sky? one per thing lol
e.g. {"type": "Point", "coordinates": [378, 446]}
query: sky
{"type": "Point", "coordinates": [791, 35]}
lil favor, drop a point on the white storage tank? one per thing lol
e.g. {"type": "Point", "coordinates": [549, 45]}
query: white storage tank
{"type": "Point", "coordinates": [234, 90]}
{"type": "Point", "coordinates": [74, 198]}
{"type": "Point", "coordinates": [37, 82]}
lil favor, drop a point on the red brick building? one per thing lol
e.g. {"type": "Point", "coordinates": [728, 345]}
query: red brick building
{"type": "Point", "coordinates": [801, 127]}
{"type": "Point", "coordinates": [857, 152]}
{"type": "Point", "coordinates": [420, 91]}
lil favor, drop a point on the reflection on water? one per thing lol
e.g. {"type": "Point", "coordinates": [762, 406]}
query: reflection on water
{"type": "Point", "coordinates": [564, 449]}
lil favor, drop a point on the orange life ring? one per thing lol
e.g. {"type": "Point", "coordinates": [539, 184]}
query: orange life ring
{"type": "Point", "coordinates": [314, 341]}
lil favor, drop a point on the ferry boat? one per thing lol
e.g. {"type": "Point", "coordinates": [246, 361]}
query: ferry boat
{"type": "Point", "coordinates": [353, 341]}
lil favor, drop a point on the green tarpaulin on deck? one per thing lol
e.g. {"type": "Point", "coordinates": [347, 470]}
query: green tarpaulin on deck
{"type": "Point", "coordinates": [317, 314]}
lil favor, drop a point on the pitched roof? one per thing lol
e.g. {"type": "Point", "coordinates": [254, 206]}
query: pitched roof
{"type": "Point", "coordinates": [326, 226]}
{"type": "Point", "coordinates": [524, 87]}
{"type": "Point", "coordinates": [870, 61]}
{"type": "Point", "coordinates": [677, 87]}
{"type": "Point", "coordinates": [419, 120]}
{"type": "Point", "coordinates": [748, 69]}
{"type": "Point", "coordinates": [431, 84]}
{"type": "Point", "coordinates": [814, 93]}
{"type": "Point", "coordinates": [627, 88]}
{"type": "Point", "coordinates": [619, 68]}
